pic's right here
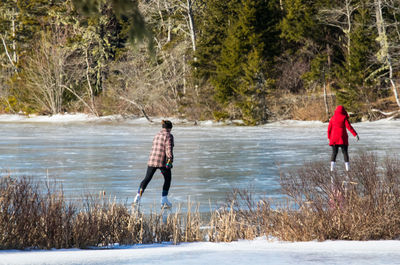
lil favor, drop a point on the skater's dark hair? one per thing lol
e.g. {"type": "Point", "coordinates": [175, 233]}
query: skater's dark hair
{"type": "Point", "coordinates": [166, 124]}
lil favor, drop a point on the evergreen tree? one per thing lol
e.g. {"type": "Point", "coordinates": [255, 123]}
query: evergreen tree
{"type": "Point", "coordinates": [299, 22]}
{"type": "Point", "coordinates": [246, 59]}
{"type": "Point", "coordinates": [309, 39]}
{"type": "Point", "coordinates": [212, 27]}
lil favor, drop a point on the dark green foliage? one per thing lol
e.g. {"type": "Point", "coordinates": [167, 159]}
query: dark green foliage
{"type": "Point", "coordinates": [212, 32]}
{"type": "Point", "coordinates": [239, 55]}
{"type": "Point", "coordinates": [125, 10]}
{"type": "Point", "coordinates": [298, 23]}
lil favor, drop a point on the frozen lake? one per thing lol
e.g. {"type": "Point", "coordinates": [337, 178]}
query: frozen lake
{"type": "Point", "coordinates": [209, 160]}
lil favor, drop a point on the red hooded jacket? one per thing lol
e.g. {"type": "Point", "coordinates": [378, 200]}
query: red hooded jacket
{"type": "Point", "coordinates": [337, 133]}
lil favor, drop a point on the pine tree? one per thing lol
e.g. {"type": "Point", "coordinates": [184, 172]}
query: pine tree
{"type": "Point", "coordinates": [219, 15]}
{"type": "Point", "coordinates": [299, 21]}
{"type": "Point", "coordinates": [246, 58]}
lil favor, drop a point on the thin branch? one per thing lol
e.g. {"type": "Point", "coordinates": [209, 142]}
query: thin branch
{"type": "Point", "coordinates": [81, 99]}
{"type": "Point", "coordinates": [8, 55]}
{"type": "Point", "coordinates": [138, 106]}
{"type": "Point", "coordinates": [392, 114]}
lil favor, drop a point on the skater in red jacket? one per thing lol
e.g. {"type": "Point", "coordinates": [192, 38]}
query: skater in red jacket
{"type": "Point", "coordinates": [338, 137]}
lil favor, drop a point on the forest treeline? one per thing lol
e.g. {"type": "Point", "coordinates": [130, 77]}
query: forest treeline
{"type": "Point", "coordinates": [254, 60]}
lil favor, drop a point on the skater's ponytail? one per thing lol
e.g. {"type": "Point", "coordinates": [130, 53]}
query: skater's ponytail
{"type": "Point", "coordinates": [166, 124]}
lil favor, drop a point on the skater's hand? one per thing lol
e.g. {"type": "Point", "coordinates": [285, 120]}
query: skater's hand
{"type": "Point", "coordinates": [357, 138]}
{"type": "Point", "coordinates": [169, 164]}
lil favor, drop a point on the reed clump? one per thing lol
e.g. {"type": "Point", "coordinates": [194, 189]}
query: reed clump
{"type": "Point", "coordinates": [242, 217]}
{"type": "Point", "coordinates": [33, 216]}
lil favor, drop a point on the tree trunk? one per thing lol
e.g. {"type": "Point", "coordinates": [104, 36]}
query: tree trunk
{"type": "Point", "coordinates": [326, 101]}
{"type": "Point", "coordinates": [14, 45]}
{"type": "Point", "coordinates": [90, 88]}
{"type": "Point", "coordinates": [8, 54]}
{"type": "Point", "coordinates": [384, 54]}
{"type": "Point", "coordinates": [348, 31]}
{"type": "Point", "coordinates": [191, 24]}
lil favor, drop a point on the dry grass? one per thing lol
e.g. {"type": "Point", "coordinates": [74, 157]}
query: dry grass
{"type": "Point", "coordinates": [363, 204]}
{"type": "Point", "coordinates": [311, 108]}
{"type": "Point", "coordinates": [31, 218]}
{"type": "Point", "coordinates": [241, 218]}
{"type": "Point", "coordinates": [308, 107]}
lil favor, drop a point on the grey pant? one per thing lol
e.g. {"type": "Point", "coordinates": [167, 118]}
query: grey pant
{"type": "Point", "coordinates": [335, 149]}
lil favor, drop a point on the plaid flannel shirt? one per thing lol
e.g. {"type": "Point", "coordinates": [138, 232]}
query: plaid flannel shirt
{"type": "Point", "coordinates": [162, 149]}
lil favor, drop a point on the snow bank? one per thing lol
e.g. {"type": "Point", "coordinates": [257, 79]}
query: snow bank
{"type": "Point", "coordinates": [259, 251]}
{"type": "Point", "coordinates": [82, 117]}
{"type": "Point", "coordinates": [294, 123]}
{"type": "Point", "coordinates": [57, 118]}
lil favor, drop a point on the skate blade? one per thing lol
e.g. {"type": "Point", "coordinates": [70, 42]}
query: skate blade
{"type": "Point", "coordinates": [166, 207]}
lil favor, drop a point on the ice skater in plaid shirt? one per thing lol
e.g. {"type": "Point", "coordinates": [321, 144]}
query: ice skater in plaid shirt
{"type": "Point", "coordinates": [161, 157]}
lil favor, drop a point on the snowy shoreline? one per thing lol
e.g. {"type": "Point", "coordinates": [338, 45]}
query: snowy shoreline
{"type": "Point", "coordinates": [87, 118]}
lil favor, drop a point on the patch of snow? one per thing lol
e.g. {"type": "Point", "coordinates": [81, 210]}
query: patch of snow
{"type": "Point", "coordinates": [258, 251]}
{"type": "Point", "coordinates": [294, 123]}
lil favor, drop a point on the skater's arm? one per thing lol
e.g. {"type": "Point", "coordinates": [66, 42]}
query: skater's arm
{"type": "Point", "coordinates": [169, 146]}
{"type": "Point", "coordinates": [329, 129]}
{"type": "Point", "coordinates": [350, 128]}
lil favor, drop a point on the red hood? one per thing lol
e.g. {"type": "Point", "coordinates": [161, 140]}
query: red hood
{"type": "Point", "coordinates": [341, 111]}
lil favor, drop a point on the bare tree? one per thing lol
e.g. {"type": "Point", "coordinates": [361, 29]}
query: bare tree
{"type": "Point", "coordinates": [46, 72]}
{"type": "Point", "coordinates": [138, 81]}
{"type": "Point", "coordinates": [341, 18]}
{"type": "Point", "coordinates": [172, 20]}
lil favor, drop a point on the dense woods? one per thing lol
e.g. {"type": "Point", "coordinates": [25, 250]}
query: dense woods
{"type": "Point", "coordinates": [254, 60]}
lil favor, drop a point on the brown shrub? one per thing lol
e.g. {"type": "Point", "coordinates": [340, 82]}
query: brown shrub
{"type": "Point", "coordinates": [31, 216]}
{"type": "Point", "coordinates": [310, 109]}
{"type": "Point", "coordinates": [359, 205]}
{"type": "Point", "coordinates": [362, 204]}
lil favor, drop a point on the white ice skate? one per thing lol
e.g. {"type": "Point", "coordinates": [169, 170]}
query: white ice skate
{"type": "Point", "coordinates": [136, 201]}
{"type": "Point", "coordinates": [165, 203]}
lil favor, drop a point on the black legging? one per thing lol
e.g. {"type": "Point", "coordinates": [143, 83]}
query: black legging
{"type": "Point", "coordinates": [149, 175]}
{"type": "Point", "coordinates": [335, 149]}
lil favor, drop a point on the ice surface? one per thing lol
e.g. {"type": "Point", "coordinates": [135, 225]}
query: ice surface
{"type": "Point", "coordinates": [89, 154]}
